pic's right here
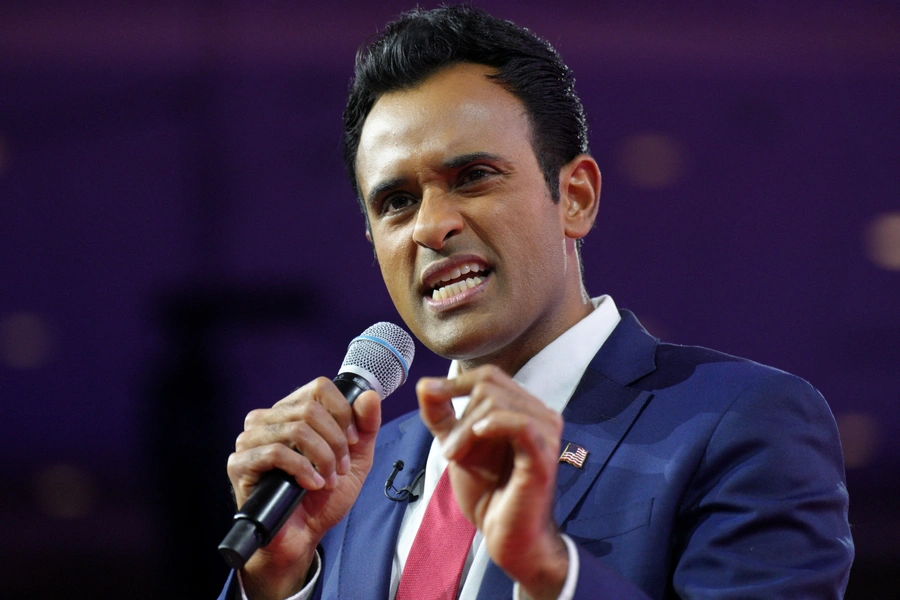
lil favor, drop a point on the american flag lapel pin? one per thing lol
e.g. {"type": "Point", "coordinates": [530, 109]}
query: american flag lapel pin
{"type": "Point", "coordinates": [574, 454]}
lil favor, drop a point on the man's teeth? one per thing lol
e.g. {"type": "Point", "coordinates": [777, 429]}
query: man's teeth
{"type": "Point", "coordinates": [456, 288]}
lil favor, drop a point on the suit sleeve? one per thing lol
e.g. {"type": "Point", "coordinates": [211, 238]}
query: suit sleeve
{"type": "Point", "coordinates": [765, 515]}
{"type": "Point", "coordinates": [596, 580]}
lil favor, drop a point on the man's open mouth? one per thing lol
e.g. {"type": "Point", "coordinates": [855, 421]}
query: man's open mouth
{"type": "Point", "coordinates": [459, 280]}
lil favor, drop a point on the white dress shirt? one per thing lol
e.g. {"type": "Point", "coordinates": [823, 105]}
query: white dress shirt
{"type": "Point", "coordinates": [552, 376]}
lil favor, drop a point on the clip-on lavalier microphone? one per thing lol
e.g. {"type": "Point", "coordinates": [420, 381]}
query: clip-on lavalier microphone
{"type": "Point", "coordinates": [405, 493]}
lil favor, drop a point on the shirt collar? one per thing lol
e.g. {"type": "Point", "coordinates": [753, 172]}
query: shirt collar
{"type": "Point", "coordinates": [553, 373]}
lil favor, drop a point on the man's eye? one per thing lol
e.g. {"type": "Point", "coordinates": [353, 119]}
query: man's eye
{"type": "Point", "coordinates": [475, 174]}
{"type": "Point", "coordinates": [396, 203]}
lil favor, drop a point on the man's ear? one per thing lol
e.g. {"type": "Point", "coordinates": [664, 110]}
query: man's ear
{"type": "Point", "coordinates": [579, 195]}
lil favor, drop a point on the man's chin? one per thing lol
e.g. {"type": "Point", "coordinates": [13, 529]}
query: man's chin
{"type": "Point", "coordinates": [462, 342]}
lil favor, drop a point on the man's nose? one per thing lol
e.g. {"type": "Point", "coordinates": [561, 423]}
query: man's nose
{"type": "Point", "coordinates": [437, 220]}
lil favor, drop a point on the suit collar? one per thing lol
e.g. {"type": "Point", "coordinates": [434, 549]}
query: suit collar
{"type": "Point", "coordinates": [628, 354]}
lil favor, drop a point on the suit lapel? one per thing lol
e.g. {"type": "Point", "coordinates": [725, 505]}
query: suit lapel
{"type": "Point", "coordinates": [614, 412]}
{"type": "Point", "coordinates": [597, 417]}
{"type": "Point", "coordinates": [373, 525]}
{"type": "Point", "coordinates": [603, 408]}
{"type": "Point", "coordinates": [600, 440]}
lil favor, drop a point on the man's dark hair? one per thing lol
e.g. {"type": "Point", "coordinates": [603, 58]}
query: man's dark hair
{"type": "Point", "coordinates": [421, 42]}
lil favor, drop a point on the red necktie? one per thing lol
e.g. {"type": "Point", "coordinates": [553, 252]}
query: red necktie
{"type": "Point", "coordinates": [435, 562]}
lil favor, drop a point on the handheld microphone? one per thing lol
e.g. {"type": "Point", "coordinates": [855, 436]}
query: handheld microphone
{"type": "Point", "coordinates": [378, 359]}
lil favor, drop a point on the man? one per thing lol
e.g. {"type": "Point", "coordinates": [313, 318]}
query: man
{"type": "Point", "coordinates": [705, 476]}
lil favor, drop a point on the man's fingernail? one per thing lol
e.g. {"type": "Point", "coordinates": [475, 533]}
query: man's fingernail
{"type": "Point", "coordinates": [318, 479]}
{"type": "Point", "coordinates": [332, 481]}
{"type": "Point", "coordinates": [345, 465]}
{"type": "Point", "coordinates": [352, 434]}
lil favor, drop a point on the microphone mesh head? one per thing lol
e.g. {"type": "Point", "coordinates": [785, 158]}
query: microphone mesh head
{"type": "Point", "coordinates": [382, 354]}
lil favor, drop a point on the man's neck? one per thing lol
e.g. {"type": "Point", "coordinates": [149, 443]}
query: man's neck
{"type": "Point", "coordinates": [513, 356]}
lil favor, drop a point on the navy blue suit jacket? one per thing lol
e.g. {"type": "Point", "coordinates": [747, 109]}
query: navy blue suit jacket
{"type": "Point", "coordinates": [708, 476]}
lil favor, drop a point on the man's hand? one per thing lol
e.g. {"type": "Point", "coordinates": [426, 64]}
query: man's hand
{"type": "Point", "coordinates": [327, 445]}
{"type": "Point", "coordinates": [503, 456]}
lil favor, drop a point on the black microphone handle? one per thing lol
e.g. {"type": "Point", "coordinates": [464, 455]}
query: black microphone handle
{"type": "Point", "coordinates": [276, 496]}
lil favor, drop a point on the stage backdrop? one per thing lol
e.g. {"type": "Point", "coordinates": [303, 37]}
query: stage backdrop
{"type": "Point", "coordinates": [180, 245]}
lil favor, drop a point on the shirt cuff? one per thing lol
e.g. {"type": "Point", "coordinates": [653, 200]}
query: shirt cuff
{"type": "Point", "coordinates": [307, 591]}
{"type": "Point", "coordinates": [568, 589]}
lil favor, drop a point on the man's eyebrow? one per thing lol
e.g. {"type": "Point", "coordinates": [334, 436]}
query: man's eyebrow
{"type": "Point", "coordinates": [384, 186]}
{"type": "Point", "coordinates": [462, 160]}
{"type": "Point", "coordinates": [454, 162]}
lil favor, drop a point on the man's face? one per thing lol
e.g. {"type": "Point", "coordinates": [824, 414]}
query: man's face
{"type": "Point", "coordinates": [472, 249]}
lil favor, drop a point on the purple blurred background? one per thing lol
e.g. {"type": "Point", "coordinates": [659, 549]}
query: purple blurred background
{"type": "Point", "coordinates": [179, 244]}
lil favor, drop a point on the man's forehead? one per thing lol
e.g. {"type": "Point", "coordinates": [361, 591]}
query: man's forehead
{"type": "Point", "coordinates": [457, 111]}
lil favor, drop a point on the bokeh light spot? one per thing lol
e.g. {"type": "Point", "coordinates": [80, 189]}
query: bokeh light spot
{"type": "Point", "coordinates": [883, 241]}
{"type": "Point", "coordinates": [860, 438]}
{"type": "Point", "coordinates": [64, 491]}
{"type": "Point", "coordinates": [653, 161]}
{"type": "Point", "coordinates": [26, 340]}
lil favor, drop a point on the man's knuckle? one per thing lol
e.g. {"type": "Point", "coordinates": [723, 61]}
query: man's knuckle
{"type": "Point", "coordinates": [233, 462]}
{"type": "Point", "coordinates": [319, 385]}
{"type": "Point", "coordinates": [493, 373]}
{"type": "Point", "coordinates": [241, 442]}
{"type": "Point", "coordinates": [307, 410]}
{"type": "Point", "coordinates": [298, 431]}
{"type": "Point", "coordinates": [270, 453]}
{"type": "Point", "coordinates": [253, 417]}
